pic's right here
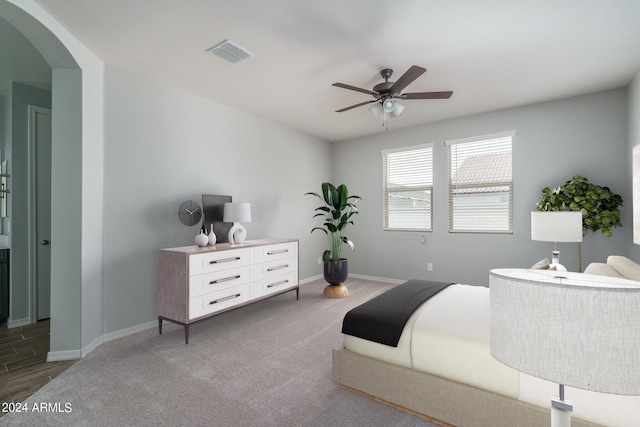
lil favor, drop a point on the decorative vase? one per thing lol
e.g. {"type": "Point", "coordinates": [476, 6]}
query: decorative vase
{"type": "Point", "coordinates": [335, 273]}
{"type": "Point", "coordinates": [202, 239]}
{"type": "Point", "coordinates": [212, 237]}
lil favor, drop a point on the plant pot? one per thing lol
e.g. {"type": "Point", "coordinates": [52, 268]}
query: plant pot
{"type": "Point", "coordinates": [335, 273]}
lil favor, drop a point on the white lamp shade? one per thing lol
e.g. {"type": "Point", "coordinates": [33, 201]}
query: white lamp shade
{"type": "Point", "coordinates": [388, 105]}
{"type": "Point", "coordinates": [376, 109]}
{"type": "Point", "coordinates": [579, 330]}
{"type": "Point", "coordinates": [237, 212]}
{"type": "Point", "coordinates": [562, 226]}
{"type": "Point", "coordinates": [397, 109]}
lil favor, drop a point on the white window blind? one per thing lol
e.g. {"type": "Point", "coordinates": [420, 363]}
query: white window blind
{"type": "Point", "coordinates": [481, 184]}
{"type": "Point", "coordinates": [408, 188]}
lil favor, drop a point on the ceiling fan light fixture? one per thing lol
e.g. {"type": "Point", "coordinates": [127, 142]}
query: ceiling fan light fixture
{"type": "Point", "coordinates": [388, 105]}
{"type": "Point", "coordinates": [397, 109]}
{"type": "Point", "coordinates": [376, 109]}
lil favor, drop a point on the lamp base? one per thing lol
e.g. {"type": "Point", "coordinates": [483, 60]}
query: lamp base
{"type": "Point", "coordinates": [237, 234]}
{"type": "Point", "coordinates": [560, 413]}
{"type": "Point", "coordinates": [555, 262]}
{"type": "Point", "coordinates": [561, 410]}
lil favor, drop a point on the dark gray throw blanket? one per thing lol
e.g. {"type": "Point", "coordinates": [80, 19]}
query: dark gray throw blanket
{"type": "Point", "coordinates": [382, 318]}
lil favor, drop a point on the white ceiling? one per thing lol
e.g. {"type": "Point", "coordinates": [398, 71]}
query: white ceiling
{"type": "Point", "coordinates": [492, 54]}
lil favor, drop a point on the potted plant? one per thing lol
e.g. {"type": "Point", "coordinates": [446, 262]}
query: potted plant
{"type": "Point", "coordinates": [599, 205]}
{"type": "Point", "coordinates": [337, 210]}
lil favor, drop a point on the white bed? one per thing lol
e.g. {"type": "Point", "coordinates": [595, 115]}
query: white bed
{"type": "Point", "coordinates": [448, 337]}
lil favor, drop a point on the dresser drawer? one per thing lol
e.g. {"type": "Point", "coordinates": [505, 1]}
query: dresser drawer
{"type": "Point", "coordinates": [274, 268]}
{"type": "Point", "coordinates": [211, 282]}
{"type": "Point", "coordinates": [277, 251]}
{"type": "Point", "coordinates": [275, 284]}
{"type": "Point", "coordinates": [209, 262]}
{"type": "Point", "coordinates": [213, 302]}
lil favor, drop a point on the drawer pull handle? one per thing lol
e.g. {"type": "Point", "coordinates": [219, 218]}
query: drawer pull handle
{"type": "Point", "coordinates": [224, 299]}
{"type": "Point", "coordinates": [280, 251]}
{"type": "Point", "coordinates": [282, 282]}
{"type": "Point", "coordinates": [218, 261]}
{"type": "Point", "coordinates": [279, 267]}
{"type": "Point", "coordinates": [225, 279]}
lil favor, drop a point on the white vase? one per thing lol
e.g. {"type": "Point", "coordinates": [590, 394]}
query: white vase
{"type": "Point", "coordinates": [212, 237]}
{"type": "Point", "coordinates": [202, 239]}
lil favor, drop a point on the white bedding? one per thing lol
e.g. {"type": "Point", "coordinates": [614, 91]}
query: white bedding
{"type": "Point", "coordinates": [448, 336]}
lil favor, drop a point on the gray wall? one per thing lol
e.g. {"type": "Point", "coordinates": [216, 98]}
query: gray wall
{"type": "Point", "coordinates": [164, 146]}
{"type": "Point", "coordinates": [586, 135]}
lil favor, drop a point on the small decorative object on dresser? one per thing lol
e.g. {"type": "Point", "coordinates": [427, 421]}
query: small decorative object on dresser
{"type": "Point", "coordinates": [202, 239]}
{"type": "Point", "coordinates": [196, 283]}
{"type": "Point", "coordinates": [237, 213]}
{"type": "Point", "coordinates": [212, 237]}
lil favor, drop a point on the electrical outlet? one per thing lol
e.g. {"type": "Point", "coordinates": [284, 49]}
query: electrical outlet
{"type": "Point", "coordinates": [423, 239]}
{"type": "Point", "coordinates": [429, 266]}
{"type": "Point", "coordinates": [319, 260]}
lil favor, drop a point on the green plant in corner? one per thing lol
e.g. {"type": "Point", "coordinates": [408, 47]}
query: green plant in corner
{"type": "Point", "coordinates": [599, 205]}
{"type": "Point", "coordinates": [337, 209]}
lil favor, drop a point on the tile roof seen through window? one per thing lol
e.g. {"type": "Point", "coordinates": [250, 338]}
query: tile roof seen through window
{"type": "Point", "coordinates": [483, 169]}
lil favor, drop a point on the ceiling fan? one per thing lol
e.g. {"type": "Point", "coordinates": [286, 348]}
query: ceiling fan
{"type": "Point", "coordinates": [386, 93]}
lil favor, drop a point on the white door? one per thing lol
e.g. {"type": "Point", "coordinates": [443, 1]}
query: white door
{"type": "Point", "coordinates": [40, 140]}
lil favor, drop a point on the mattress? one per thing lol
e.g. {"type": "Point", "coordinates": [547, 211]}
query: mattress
{"type": "Point", "coordinates": [448, 336]}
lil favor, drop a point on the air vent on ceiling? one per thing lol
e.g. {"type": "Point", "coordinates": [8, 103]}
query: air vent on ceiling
{"type": "Point", "coordinates": [231, 52]}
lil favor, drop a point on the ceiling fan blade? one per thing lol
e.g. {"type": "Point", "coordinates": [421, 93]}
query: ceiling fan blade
{"type": "Point", "coordinates": [357, 89]}
{"type": "Point", "coordinates": [409, 76]}
{"type": "Point", "coordinates": [357, 105]}
{"type": "Point", "coordinates": [427, 95]}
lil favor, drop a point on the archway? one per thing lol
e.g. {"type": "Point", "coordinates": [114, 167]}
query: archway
{"type": "Point", "coordinates": [69, 180]}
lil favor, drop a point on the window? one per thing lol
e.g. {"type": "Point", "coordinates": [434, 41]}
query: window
{"type": "Point", "coordinates": [408, 188]}
{"type": "Point", "coordinates": [481, 184]}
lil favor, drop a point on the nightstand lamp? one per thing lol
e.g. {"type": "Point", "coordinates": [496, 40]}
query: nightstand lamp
{"type": "Point", "coordinates": [560, 226]}
{"type": "Point", "coordinates": [237, 213]}
{"type": "Point", "coordinates": [574, 329]}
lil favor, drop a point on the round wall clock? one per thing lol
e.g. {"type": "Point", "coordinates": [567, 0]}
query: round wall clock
{"type": "Point", "coordinates": [190, 213]}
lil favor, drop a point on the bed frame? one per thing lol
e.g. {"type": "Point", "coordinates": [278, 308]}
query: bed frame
{"type": "Point", "coordinates": [436, 399]}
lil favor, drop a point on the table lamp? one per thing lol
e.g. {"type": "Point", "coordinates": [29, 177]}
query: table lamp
{"type": "Point", "coordinates": [574, 329]}
{"type": "Point", "coordinates": [237, 213]}
{"type": "Point", "coordinates": [556, 226]}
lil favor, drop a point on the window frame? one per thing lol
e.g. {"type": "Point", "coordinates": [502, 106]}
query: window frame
{"type": "Point", "coordinates": [425, 186]}
{"type": "Point", "coordinates": [454, 187]}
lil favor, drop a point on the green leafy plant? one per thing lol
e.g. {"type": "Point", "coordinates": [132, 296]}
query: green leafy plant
{"type": "Point", "coordinates": [337, 209]}
{"type": "Point", "coordinates": [599, 205]}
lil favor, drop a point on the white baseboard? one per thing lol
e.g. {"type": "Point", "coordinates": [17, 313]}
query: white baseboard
{"type": "Point", "coordinates": [18, 322]}
{"type": "Point", "coordinates": [58, 356]}
{"type": "Point", "coordinates": [378, 279]}
{"type": "Point", "coordinates": [310, 279]}
{"type": "Point", "coordinates": [92, 345]}
{"type": "Point", "coordinates": [129, 331]}
{"type": "Point", "coordinates": [357, 276]}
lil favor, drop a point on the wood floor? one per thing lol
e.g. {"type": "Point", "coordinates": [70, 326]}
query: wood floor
{"type": "Point", "coordinates": [23, 366]}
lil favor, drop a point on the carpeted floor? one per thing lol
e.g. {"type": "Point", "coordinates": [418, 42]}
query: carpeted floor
{"type": "Point", "coordinates": [267, 364]}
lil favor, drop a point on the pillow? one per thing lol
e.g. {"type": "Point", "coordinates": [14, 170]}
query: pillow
{"type": "Point", "coordinates": [624, 266]}
{"type": "Point", "coordinates": [541, 265]}
{"type": "Point", "coordinates": [602, 269]}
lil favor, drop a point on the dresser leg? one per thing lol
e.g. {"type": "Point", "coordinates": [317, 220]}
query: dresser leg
{"type": "Point", "coordinates": [186, 334]}
{"type": "Point", "coordinates": [159, 325]}
{"type": "Point", "coordinates": [297, 294]}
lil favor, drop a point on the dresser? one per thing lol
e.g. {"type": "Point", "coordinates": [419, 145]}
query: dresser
{"type": "Point", "coordinates": [195, 283]}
